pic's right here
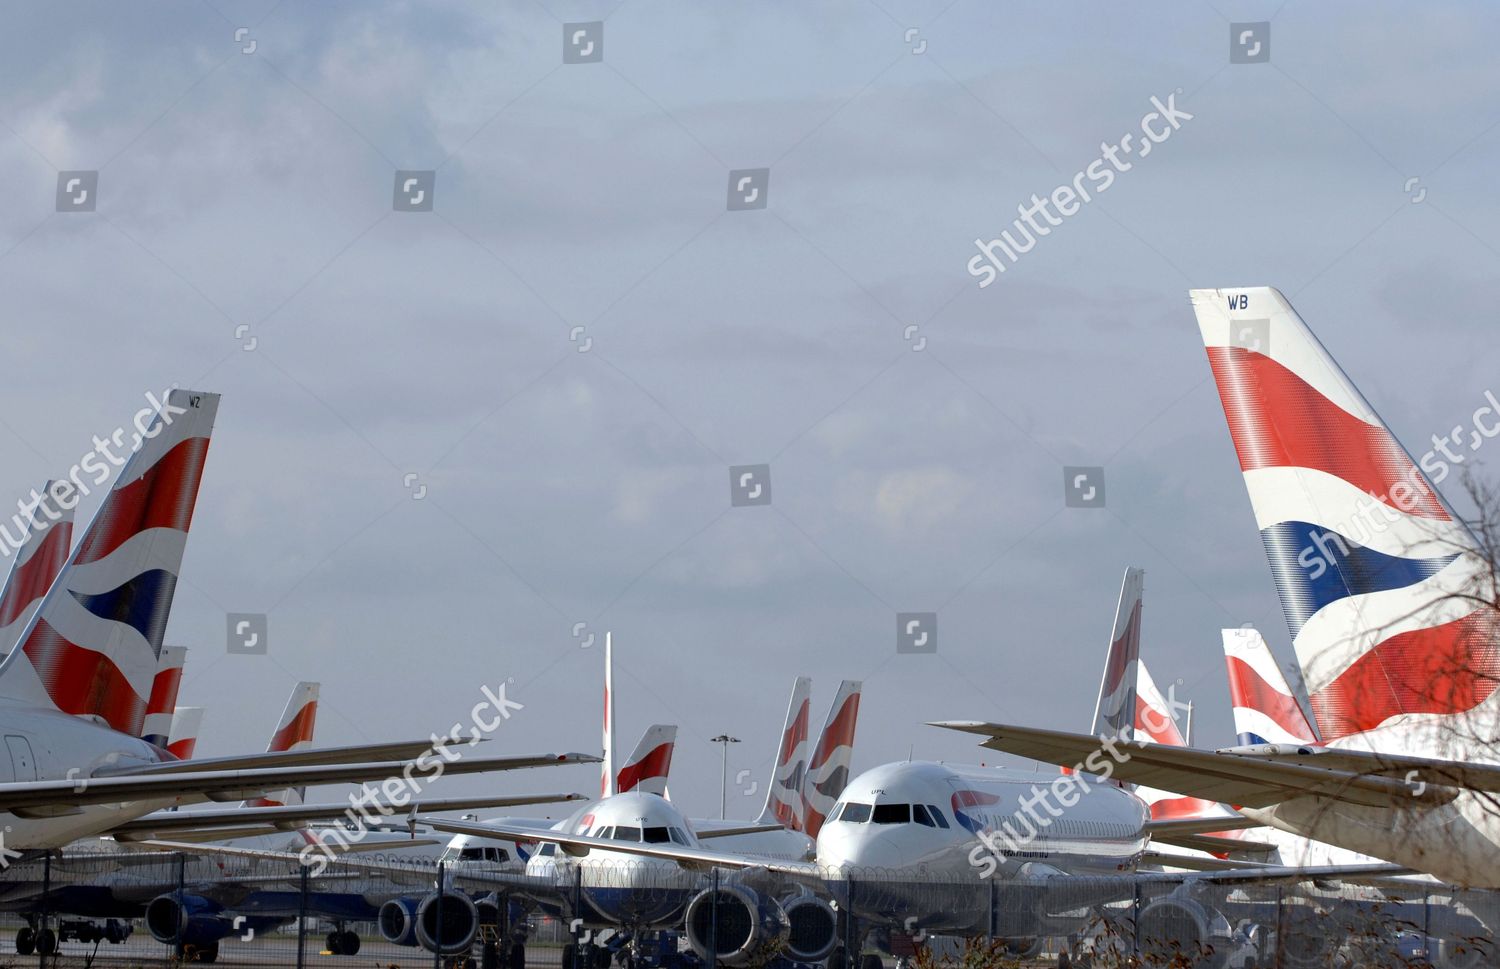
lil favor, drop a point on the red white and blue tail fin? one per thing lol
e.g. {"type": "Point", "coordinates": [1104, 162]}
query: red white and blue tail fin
{"type": "Point", "coordinates": [163, 700]}
{"type": "Point", "coordinates": [1375, 572]}
{"type": "Point", "coordinates": [828, 768]}
{"type": "Point", "coordinates": [93, 645]}
{"type": "Point", "coordinates": [1114, 713]}
{"type": "Point", "coordinates": [784, 799]}
{"type": "Point", "coordinates": [294, 731]}
{"type": "Point", "coordinates": [183, 739]}
{"type": "Point", "coordinates": [1265, 709]}
{"type": "Point", "coordinates": [37, 560]}
{"type": "Point", "coordinates": [649, 765]}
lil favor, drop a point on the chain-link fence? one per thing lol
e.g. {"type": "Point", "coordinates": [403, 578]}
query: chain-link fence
{"type": "Point", "coordinates": [149, 909]}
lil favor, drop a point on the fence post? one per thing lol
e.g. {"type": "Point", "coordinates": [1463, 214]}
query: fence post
{"type": "Point", "coordinates": [1280, 923]}
{"type": "Point", "coordinates": [437, 935]}
{"type": "Point", "coordinates": [181, 905]}
{"type": "Point", "coordinates": [713, 925]}
{"type": "Point", "coordinates": [994, 910]}
{"type": "Point", "coordinates": [46, 900]}
{"type": "Point", "coordinates": [302, 917]}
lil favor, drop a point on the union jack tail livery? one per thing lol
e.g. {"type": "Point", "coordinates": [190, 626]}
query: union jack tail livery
{"type": "Point", "coordinates": [163, 701]}
{"type": "Point", "coordinates": [37, 561]}
{"type": "Point", "coordinates": [92, 646]}
{"type": "Point", "coordinates": [1373, 569]}
{"type": "Point", "coordinates": [828, 769]}
{"type": "Point", "coordinates": [647, 768]}
{"type": "Point", "coordinates": [293, 732]}
{"type": "Point", "coordinates": [1114, 714]}
{"type": "Point", "coordinates": [183, 740]}
{"type": "Point", "coordinates": [1265, 710]}
{"type": "Point", "coordinates": [784, 802]}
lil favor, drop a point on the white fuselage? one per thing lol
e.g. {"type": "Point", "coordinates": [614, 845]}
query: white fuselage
{"type": "Point", "coordinates": [47, 745]}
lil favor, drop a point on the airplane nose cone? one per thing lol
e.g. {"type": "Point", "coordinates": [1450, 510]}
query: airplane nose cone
{"type": "Point", "coordinates": [865, 850]}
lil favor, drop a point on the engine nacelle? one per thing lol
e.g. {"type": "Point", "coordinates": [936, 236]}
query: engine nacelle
{"type": "Point", "coordinates": [1305, 941]}
{"type": "Point", "coordinates": [814, 928]}
{"type": "Point", "coordinates": [1179, 930]}
{"type": "Point", "coordinates": [189, 919]}
{"type": "Point", "coordinates": [447, 924]}
{"type": "Point", "coordinates": [398, 921]}
{"type": "Point", "coordinates": [747, 928]}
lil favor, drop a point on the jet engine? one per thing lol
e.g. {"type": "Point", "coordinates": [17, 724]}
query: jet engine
{"type": "Point", "coordinates": [398, 921]}
{"type": "Point", "coordinates": [814, 928]}
{"type": "Point", "coordinates": [190, 919]}
{"type": "Point", "coordinates": [746, 928]}
{"type": "Point", "coordinates": [1180, 930]}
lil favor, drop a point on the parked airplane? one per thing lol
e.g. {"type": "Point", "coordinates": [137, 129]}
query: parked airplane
{"type": "Point", "coordinates": [73, 693]}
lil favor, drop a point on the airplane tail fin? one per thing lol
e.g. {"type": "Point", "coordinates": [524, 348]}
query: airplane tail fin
{"type": "Point", "coordinates": [183, 740]}
{"type": "Point", "coordinates": [828, 768]}
{"type": "Point", "coordinates": [1375, 572]}
{"type": "Point", "coordinates": [784, 803]}
{"type": "Point", "coordinates": [647, 768]}
{"type": "Point", "coordinates": [294, 731]}
{"type": "Point", "coordinates": [607, 776]}
{"type": "Point", "coordinates": [1265, 709]}
{"type": "Point", "coordinates": [1114, 713]}
{"type": "Point", "coordinates": [39, 556]}
{"type": "Point", "coordinates": [1156, 722]}
{"type": "Point", "coordinates": [93, 644]}
{"type": "Point", "coordinates": [163, 700]}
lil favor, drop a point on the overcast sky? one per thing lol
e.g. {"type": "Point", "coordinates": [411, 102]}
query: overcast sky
{"type": "Point", "coordinates": [247, 199]}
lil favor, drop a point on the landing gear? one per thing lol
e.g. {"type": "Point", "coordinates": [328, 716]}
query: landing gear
{"type": "Point", "coordinates": [26, 940]}
{"type": "Point", "coordinates": [342, 942]}
{"type": "Point", "coordinates": [515, 956]}
{"type": "Point", "coordinates": [46, 942]}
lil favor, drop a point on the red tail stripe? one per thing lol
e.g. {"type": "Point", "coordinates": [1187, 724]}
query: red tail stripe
{"type": "Point", "coordinates": [30, 582]}
{"type": "Point", "coordinates": [1445, 669]}
{"type": "Point", "coordinates": [164, 691]}
{"type": "Point", "coordinates": [1123, 652]}
{"type": "Point", "coordinates": [655, 764]}
{"type": "Point", "coordinates": [1278, 420]}
{"type": "Point", "coordinates": [183, 749]}
{"type": "Point", "coordinates": [838, 733]}
{"type": "Point", "coordinates": [1247, 689]}
{"type": "Point", "coordinates": [163, 497]}
{"type": "Point", "coordinates": [1157, 725]}
{"type": "Point", "coordinates": [795, 735]}
{"type": "Point", "coordinates": [82, 681]}
{"type": "Point", "coordinates": [298, 729]}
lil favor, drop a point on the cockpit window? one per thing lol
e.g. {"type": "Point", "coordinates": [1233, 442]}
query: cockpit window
{"type": "Point", "coordinates": [855, 813]}
{"type": "Point", "coordinates": [679, 836]}
{"type": "Point", "coordinates": [919, 815]}
{"type": "Point", "coordinates": [626, 832]}
{"type": "Point", "coordinates": [892, 814]}
{"type": "Point", "coordinates": [657, 836]}
{"type": "Point", "coordinates": [937, 816]}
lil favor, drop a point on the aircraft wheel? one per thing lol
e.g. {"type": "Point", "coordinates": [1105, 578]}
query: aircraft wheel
{"type": "Point", "coordinates": [601, 958]}
{"type": "Point", "coordinates": [836, 959]}
{"type": "Point", "coordinates": [871, 961]}
{"type": "Point", "coordinates": [516, 957]}
{"type": "Point", "coordinates": [570, 956]}
{"type": "Point", "coordinates": [46, 942]}
{"type": "Point", "coordinates": [349, 942]}
{"type": "Point", "coordinates": [26, 940]}
{"type": "Point", "coordinates": [334, 943]}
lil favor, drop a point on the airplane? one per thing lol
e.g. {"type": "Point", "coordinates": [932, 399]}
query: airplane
{"type": "Point", "coordinates": [1376, 576]}
{"type": "Point", "coordinates": [74, 690]}
{"type": "Point", "coordinates": [162, 702]}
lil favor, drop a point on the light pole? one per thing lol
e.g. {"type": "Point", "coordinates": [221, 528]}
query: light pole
{"type": "Point", "coordinates": [725, 740]}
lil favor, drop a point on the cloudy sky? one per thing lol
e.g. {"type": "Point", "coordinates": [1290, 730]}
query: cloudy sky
{"type": "Point", "coordinates": [568, 352]}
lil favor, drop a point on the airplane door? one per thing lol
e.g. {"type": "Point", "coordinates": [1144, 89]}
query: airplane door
{"type": "Point", "coordinates": [22, 763]}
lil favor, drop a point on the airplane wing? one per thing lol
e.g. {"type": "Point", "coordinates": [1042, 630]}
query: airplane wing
{"type": "Point", "coordinates": [1242, 781]}
{"type": "Point", "coordinates": [578, 845]}
{"type": "Point", "coordinates": [355, 754]}
{"type": "Point", "coordinates": [1409, 770]}
{"type": "Point", "coordinates": [53, 798]}
{"type": "Point", "coordinates": [730, 830]}
{"type": "Point", "coordinates": [192, 825]}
